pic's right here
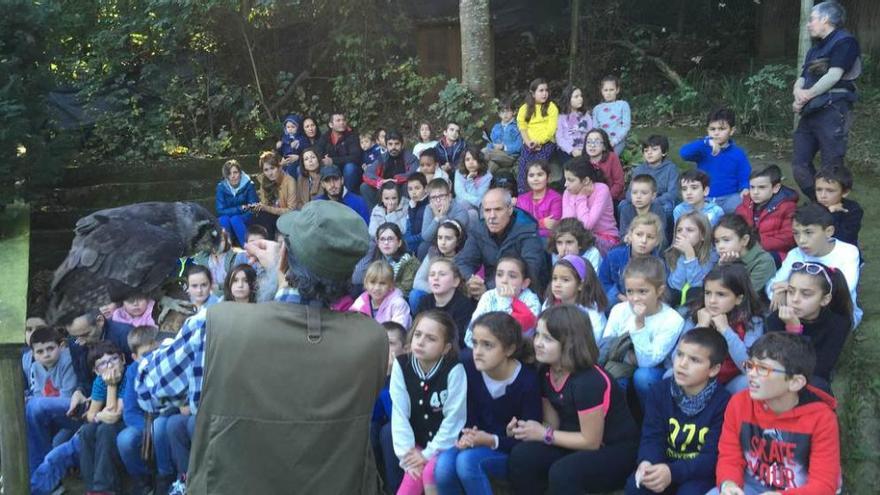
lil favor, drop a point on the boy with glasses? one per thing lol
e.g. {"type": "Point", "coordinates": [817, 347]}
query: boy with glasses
{"type": "Point", "coordinates": [441, 207]}
{"type": "Point", "coordinates": [780, 435]}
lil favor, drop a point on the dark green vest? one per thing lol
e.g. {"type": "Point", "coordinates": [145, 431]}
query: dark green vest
{"type": "Point", "coordinates": [286, 401]}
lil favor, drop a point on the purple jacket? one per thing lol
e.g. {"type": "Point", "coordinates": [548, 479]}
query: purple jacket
{"type": "Point", "coordinates": [571, 130]}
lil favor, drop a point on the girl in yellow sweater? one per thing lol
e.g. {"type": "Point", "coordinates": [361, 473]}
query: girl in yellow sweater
{"type": "Point", "coordinates": [536, 120]}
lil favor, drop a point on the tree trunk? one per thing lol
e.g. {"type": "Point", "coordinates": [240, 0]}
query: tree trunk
{"type": "Point", "coordinates": [477, 47]}
{"type": "Point", "coordinates": [573, 42]}
{"type": "Point", "coordinates": [803, 41]}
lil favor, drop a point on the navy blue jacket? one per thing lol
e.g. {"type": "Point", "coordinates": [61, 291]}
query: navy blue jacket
{"type": "Point", "coordinates": [521, 399]}
{"type": "Point", "coordinates": [847, 224]}
{"type": "Point", "coordinates": [687, 444]}
{"type": "Point", "coordinates": [415, 218]}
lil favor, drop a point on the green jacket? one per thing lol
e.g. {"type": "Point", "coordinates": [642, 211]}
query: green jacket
{"type": "Point", "coordinates": [286, 402]}
{"type": "Point", "coordinates": [760, 265]}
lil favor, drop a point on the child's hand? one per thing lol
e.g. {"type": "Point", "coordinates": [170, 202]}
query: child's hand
{"type": "Point", "coordinates": [278, 144]}
{"type": "Point", "coordinates": [703, 317]}
{"type": "Point", "coordinates": [76, 400]}
{"type": "Point", "coordinates": [786, 314]}
{"type": "Point", "coordinates": [779, 292]}
{"type": "Point", "coordinates": [728, 256]}
{"type": "Point", "coordinates": [111, 376]}
{"type": "Point", "coordinates": [837, 207]}
{"type": "Point", "coordinates": [506, 290]}
{"type": "Point", "coordinates": [716, 148]}
{"type": "Point", "coordinates": [731, 488]}
{"type": "Point", "coordinates": [476, 286]}
{"type": "Point", "coordinates": [744, 193]}
{"type": "Point", "coordinates": [657, 478]}
{"type": "Point", "coordinates": [640, 472]}
{"type": "Point", "coordinates": [414, 461]}
{"type": "Point", "coordinates": [184, 410]}
{"type": "Point", "coordinates": [621, 298]}
{"type": "Point", "coordinates": [511, 425]}
{"type": "Point", "coordinates": [549, 223]}
{"type": "Point", "coordinates": [639, 309]}
{"type": "Point", "coordinates": [684, 247]}
{"type": "Point", "coordinates": [529, 431]}
{"type": "Point", "coordinates": [720, 322]}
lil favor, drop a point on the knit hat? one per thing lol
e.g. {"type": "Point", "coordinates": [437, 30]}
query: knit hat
{"type": "Point", "coordinates": [326, 237]}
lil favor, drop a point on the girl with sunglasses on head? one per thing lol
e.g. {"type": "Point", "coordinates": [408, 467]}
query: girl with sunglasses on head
{"type": "Point", "coordinates": [817, 306]}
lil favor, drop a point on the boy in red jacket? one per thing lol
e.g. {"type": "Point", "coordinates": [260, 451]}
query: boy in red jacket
{"type": "Point", "coordinates": [769, 208]}
{"type": "Point", "coordinates": [780, 435]}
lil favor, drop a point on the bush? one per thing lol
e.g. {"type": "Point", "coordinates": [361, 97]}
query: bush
{"type": "Point", "coordinates": [456, 103]}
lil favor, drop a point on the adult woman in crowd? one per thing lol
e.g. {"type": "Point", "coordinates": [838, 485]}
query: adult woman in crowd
{"type": "Point", "coordinates": [277, 193]}
{"type": "Point", "coordinates": [234, 193]}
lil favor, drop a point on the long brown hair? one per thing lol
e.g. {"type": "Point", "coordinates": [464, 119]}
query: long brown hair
{"type": "Point", "coordinates": [572, 328]}
{"type": "Point", "coordinates": [507, 330]}
{"type": "Point", "coordinates": [530, 100]}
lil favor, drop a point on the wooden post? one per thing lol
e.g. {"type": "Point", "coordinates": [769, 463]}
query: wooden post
{"type": "Point", "coordinates": [14, 241]}
{"type": "Point", "coordinates": [804, 42]}
{"type": "Point", "coordinates": [573, 40]}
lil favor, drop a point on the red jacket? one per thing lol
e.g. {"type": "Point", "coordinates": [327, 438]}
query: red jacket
{"type": "Point", "coordinates": [795, 453]}
{"type": "Point", "coordinates": [614, 176]}
{"type": "Point", "coordinates": [773, 222]}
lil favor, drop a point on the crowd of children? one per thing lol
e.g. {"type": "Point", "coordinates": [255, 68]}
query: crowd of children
{"type": "Point", "coordinates": [704, 304]}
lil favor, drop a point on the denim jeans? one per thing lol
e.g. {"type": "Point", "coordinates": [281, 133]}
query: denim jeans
{"type": "Point", "coordinates": [180, 432]}
{"type": "Point", "coordinates": [99, 460]}
{"type": "Point", "coordinates": [644, 379]}
{"type": "Point", "coordinates": [469, 470]}
{"type": "Point", "coordinates": [727, 203]}
{"type": "Point", "coordinates": [393, 472]}
{"type": "Point", "coordinates": [44, 418]}
{"type": "Point", "coordinates": [48, 475]}
{"type": "Point", "coordinates": [161, 447]}
{"type": "Point", "coordinates": [351, 176]}
{"type": "Point", "coordinates": [129, 444]}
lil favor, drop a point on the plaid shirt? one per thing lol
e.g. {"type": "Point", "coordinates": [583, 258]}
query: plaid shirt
{"type": "Point", "coordinates": [178, 369]}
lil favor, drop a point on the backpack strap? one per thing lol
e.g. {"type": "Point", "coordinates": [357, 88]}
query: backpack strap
{"type": "Point", "coordinates": [313, 317]}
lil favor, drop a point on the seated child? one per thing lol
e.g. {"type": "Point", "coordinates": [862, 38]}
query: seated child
{"type": "Point", "coordinates": [505, 140]}
{"type": "Point", "coordinates": [769, 208]}
{"type": "Point", "coordinates": [780, 435]}
{"type": "Point", "coordinates": [442, 207]}
{"type": "Point", "coordinates": [391, 209]}
{"type": "Point", "coordinates": [574, 281]}
{"type": "Point", "coordinates": [136, 310]}
{"type": "Point", "coordinates": [450, 147]}
{"type": "Point", "coordinates": [817, 306]}
{"type": "Point", "coordinates": [731, 307]}
{"type": "Point", "coordinates": [370, 148]}
{"type": "Point", "coordinates": [429, 161]}
{"type": "Point", "coordinates": [644, 237]}
{"type": "Point", "coordinates": [589, 200]}
{"type": "Point", "coordinates": [424, 142]}
{"type": "Point", "coordinates": [653, 326]}
{"type": "Point", "coordinates": [570, 237]}
{"type": "Point", "coordinates": [665, 173]}
{"type": "Point", "coordinates": [98, 456]}
{"type": "Point", "coordinates": [694, 188]}
{"type": "Point", "coordinates": [220, 259]}
{"type": "Point", "coordinates": [598, 150]}
{"type": "Point", "coordinates": [690, 257]}
{"type": "Point", "coordinates": [814, 234]}
{"type": "Point", "coordinates": [472, 178]}
{"type": "Point", "coordinates": [643, 199]}
{"type": "Point", "coordinates": [380, 299]}
{"type": "Point", "coordinates": [428, 400]}
{"type": "Point", "coordinates": [683, 418]}
{"type": "Point", "coordinates": [199, 283]}
{"type": "Point", "coordinates": [735, 242]}
{"type": "Point", "coordinates": [501, 389]}
{"type": "Point", "coordinates": [51, 372]}
{"type": "Point", "coordinates": [832, 188]}
{"type": "Point", "coordinates": [510, 295]}
{"type": "Point", "coordinates": [447, 243]}
{"type": "Point", "coordinates": [31, 324]}
{"type": "Point", "coordinates": [382, 407]}
{"type": "Point", "coordinates": [241, 284]}
{"type": "Point", "coordinates": [721, 159]}
{"type": "Point", "coordinates": [417, 202]}
{"type": "Point", "coordinates": [141, 340]}
{"type": "Point", "coordinates": [588, 441]}
{"type": "Point", "coordinates": [541, 202]}
{"type": "Point", "coordinates": [447, 295]}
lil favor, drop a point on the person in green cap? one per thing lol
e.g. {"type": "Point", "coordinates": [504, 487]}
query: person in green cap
{"type": "Point", "coordinates": [282, 391]}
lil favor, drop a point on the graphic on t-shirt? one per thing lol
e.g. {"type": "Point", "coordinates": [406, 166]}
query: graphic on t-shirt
{"type": "Point", "coordinates": [775, 459]}
{"type": "Point", "coordinates": [49, 389]}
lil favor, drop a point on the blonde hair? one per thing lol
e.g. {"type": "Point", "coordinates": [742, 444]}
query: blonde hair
{"type": "Point", "coordinates": [379, 271]}
{"type": "Point", "coordinates": [651, 220]}
{"type": "Point", "coordinates": [703, 249]}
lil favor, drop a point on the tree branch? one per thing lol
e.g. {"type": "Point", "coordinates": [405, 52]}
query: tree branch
{"type": "Point", "coordinates": [250, 50]}
{"type": "Point", "coordinates": [664, 68]}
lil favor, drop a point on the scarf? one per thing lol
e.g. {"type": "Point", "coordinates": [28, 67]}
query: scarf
{"type": "Point", "coordinates": [693, 405]}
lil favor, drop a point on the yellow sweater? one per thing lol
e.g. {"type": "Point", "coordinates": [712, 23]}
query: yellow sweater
{"type": "Point", "coordinates": [542, 128]}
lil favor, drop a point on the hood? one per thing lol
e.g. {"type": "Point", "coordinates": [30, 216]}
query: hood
{"type": "Point", "coordinates": [296, 119]}
{"type": "Point", "coordinates": [242, 184]}
{"type": "Point", "coordinates": [666, 163]}
{"type": "Point", "coordinates": [785, 194]}
{"type": "Point", "coordinates": [811, 401]}
{"type": "Point", "coordinates": [753, 253]}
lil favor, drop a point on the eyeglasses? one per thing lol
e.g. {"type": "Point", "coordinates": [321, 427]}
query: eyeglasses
{"type": "Point", "coordinates": [438, 197]}
{"type": "Point", "coordinates": [813, 269]}
{"type": "Point", "coordinates": [107, 361]}
{"type": "Point", "coordinates": [594, 142]}
{"type": "Point", "coordinates": [385, 240]}
{"type": "Point", "coordinates": [760, 369]}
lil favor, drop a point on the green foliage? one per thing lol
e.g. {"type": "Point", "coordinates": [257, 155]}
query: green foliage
{"type": "Point", "coordinates": [456, 103]}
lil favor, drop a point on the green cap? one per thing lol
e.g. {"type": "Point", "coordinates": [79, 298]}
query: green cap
{"type": "Point", "coordinates": [326, 237]}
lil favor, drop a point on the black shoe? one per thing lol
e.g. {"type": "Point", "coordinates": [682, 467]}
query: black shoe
{"type": "Point", "coordinates": [163, 485]}
{"type": "Point", "coordinates": [141, 485]}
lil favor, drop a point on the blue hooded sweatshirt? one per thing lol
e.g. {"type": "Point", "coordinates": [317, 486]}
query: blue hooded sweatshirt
{"type": "Point", "coordinates": [292, 144]}
{"type": "Point", "coordinates": [229, 200]}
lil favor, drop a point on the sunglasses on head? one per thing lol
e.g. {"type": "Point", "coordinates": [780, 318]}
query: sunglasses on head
{"type": "Point", "coordinates": [812, 269]}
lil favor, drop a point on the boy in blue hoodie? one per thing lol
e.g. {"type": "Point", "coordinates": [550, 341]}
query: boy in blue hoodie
{"type": "Point", "coordinates": [293, 142]}
{"type": "Point", "coordinates": [655, 150]}
{"type": "Point", "coordinates": [726, 163]}
{"type": "Point", "coordinates": [683, 418]}
{"type": "Point", "coordinates": [51, 372]}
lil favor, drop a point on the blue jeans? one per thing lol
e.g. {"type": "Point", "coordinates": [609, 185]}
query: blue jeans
{"type": "Point", "coordinates": [99, 460]}
{"type": "Point", "coordinates": [48, 475]}
{"type": "Point", "coordinates": [393, 471]}
{"type": "Point", "coordinates": [161, 447]}
{"type": "Point", "coordinates": [727, 203]}
{"type": "Point", "coordinates": [469, 470]}
{"type": "Point", "coordinates": [351, 176]}
{"type": "Point", "coordinates": [180, 431]}
{"type": "Point", "coordinates": [644, 379]}
{"type": "Point", "coordinates": [697, 486]}
{"type": "Point", "coordinates": [236, 225]}
{"type": "Point", "coordinates": [44, 418]}
{"type": "Point", "coordinates": [129, 444]}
